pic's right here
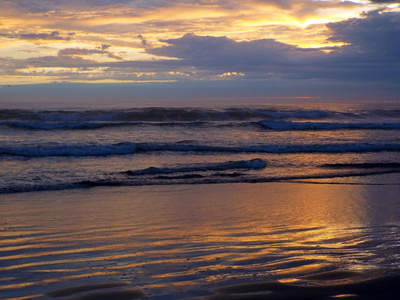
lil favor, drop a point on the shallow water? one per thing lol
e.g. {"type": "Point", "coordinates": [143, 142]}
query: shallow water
{"type": "Point", "coordinates": [186, 241]}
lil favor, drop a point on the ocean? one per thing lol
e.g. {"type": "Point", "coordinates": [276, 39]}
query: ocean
{"type": "Point", "coordinates": [258, 201]}
{"type": "Point", "coordinates": [80, 147]}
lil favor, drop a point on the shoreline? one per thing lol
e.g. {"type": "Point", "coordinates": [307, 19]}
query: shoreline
{"type": "Point", "coordinates": [287, 180]}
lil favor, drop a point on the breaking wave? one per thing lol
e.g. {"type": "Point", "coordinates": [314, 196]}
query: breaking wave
{"type": "Point", "coordinates": [272, 119]}
{"type": "Point", "coordinates": [242, 164]}
{"type": "Point", "coordinates": [201, 174]}
{"type": "Point", "coordinates": [188, 114]}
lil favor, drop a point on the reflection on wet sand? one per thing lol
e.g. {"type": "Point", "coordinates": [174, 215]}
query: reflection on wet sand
{"type": "Point", "coordinates": [190, 241]}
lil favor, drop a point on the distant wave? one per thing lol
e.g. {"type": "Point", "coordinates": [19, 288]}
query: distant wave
{"type": "Point", "coordinates": [62, 125]}
{"type": "Point", "coordinates": [290, 125]}
{"type": "Point", "coordinates": [268, 118]}
{"type": "Point", "coordinates": [188, 114]}
{"type": "Point", "coordinates": [69, 150]}
{"type": "Point", "coordinates": [131, 148]}
{"type": "Point", "coordinates": [241, 164]}
{"type": "Point", "coordinates": [40, 125]}
{"type": "Point", "coordinates": [160, 114]}
{"type": "Point", "coordinates": [277, 125]}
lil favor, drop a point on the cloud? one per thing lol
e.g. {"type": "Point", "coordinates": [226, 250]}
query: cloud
{"type": "Point", "coordinates": [54, 35]}
{"type": "Point", "coordinates": [83, 51]}
{"type": "Point", "coordinates": [151, 3]}
{"type": "Point", "coordinates": [44, 66]}
{"type": "Point", "coordinates": [144, 42]}
{"type": "Point", "coordinates": [219, 52]}
{"type": "Point", "coordinates": [371, 52]}
{"type": "Point", "coordinates": [374, 38]}
{"type": "Point", "coordinates": [105, 47]}
{"type": "Point", "coordinates": [384, 1]}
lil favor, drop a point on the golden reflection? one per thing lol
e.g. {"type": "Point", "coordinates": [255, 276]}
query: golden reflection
{"type": "Point", "coordinates": [163, 236]}
{"type": "Point", "coordinates": [27, 297]}
{"type": "Point", "coordinates": [298, 271]}
{"type": "Point", "coordinates": [52, 280]}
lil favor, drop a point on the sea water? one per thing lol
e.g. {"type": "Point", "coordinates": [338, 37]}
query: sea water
{"type": "Point", "coordinates": [53, 148]}
{"type": "Point", "coordinates": [125, 201]}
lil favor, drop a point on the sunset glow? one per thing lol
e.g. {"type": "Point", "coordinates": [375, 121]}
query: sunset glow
{"type": "Point", "coordinates": [131, 41]}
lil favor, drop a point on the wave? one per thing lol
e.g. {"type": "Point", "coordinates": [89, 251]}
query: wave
{"type": "Point", "coordinates": [277, 125]}
{"type": "Point", "coordinates": [63, 125]}
{"type": "Point", "coordinates": [69, 150]}
{"type": "Point", "coordinates": [192, 177]}
{"type": "Point", "coordinates": [40, 125]}
{"type": "Point", "coordinates": [126, 148]}
{"type": "Point", "coordinates": [310, 148]}
{"type": "Point", "coordinates": [37, 119]}
{"type": "Point", "coordinates": [268, 118]}
{"type": "Point", "coordinates": [160, 114]}
{"type": "Point", "coordinates": [254, 164]}
{"type": "Point", "coordinates": [187, 114]}
{"type": "Point", "coordinates": [290, 125]}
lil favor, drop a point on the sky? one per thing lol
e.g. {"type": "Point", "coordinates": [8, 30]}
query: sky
{"type": "Point", "coordinates": [200, 49]}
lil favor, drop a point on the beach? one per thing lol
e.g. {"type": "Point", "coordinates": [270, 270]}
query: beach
{"type": "Point", "coordinates": [200, 150]}
{"type": "Point", "coordinates": [209, 241]}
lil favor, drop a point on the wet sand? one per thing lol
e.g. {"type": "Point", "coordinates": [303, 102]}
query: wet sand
{"type": "Point", "coordinates": [223, 241]}
{"type": "Point", "coordinates": [379, 288]}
